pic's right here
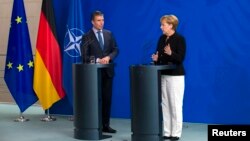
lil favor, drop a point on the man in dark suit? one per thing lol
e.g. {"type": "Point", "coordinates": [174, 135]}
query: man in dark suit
{"type": "Point", "coordinates": [101, 43]}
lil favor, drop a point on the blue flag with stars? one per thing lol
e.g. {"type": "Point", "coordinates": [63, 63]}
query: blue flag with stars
{"type": "Point", "coordinates": [72, 44]}
{"type": "Point", "coordinates": [19, 64]}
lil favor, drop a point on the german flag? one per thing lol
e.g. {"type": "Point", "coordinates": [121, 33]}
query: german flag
{"type": "Point", "coordinates": [48, 62]}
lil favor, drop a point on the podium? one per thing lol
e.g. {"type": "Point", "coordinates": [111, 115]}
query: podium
{"type": "Point", "coordinates": [88, 101]}
{"type": "Point", "coordinates": [146, 112]}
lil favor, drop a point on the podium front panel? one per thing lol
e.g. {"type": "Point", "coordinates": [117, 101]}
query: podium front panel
{"type": "Point", "coordinates": [87, 100]}
{"type": "Point", "coordinates": [145, 90]}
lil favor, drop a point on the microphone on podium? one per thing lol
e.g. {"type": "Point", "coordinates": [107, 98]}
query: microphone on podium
{"type": "Point", "coordinates": [87, 41]}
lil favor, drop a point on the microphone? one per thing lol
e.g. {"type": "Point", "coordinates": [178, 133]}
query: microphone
{"type": "Point", "coordinates": [146, 52]}
{"type": "Point", "coordinates": [87, 41]}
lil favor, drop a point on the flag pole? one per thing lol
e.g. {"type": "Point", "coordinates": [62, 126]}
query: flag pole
{"type": "Point", "coordinates": [21, 118]}
{"type": "Point", "coordinates": [48, 117]}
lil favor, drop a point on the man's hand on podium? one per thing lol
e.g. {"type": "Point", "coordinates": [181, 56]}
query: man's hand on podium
{"type": "Point", "coordinates": [104, 60]}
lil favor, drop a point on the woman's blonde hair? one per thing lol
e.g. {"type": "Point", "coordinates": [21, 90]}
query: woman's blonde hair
{"type": "Point", "coordinates": [170, 19]}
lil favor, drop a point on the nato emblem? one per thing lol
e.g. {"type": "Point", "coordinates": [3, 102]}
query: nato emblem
{"type": "Point", "coordinates": [72, 42]}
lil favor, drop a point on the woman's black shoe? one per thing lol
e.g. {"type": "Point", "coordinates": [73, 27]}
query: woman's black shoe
{"type": "Point", "coordinates": [166, 137]}
{"type": "Point", "coordinates": [175, 138]}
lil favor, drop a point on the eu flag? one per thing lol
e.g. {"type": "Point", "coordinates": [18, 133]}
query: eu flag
{"type": "Point", "coordinates": [19, 64]}
{"type": "Point", "coordinates": [72, 43]}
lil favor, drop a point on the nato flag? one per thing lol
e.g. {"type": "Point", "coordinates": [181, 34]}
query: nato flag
{"type": "Point", "coordinates": [72, 43]}
{"type": "Point", "coordinates": [19, 60]}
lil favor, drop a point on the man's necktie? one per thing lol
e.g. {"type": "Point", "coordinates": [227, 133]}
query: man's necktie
{"type": "Point", "coordinates": [100, 39]}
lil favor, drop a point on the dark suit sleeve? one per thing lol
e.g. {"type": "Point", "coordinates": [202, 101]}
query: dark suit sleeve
{"type": "Point", "coordinates": [114, 48]}
{"type": "Point", "coordinates": [178, 54]}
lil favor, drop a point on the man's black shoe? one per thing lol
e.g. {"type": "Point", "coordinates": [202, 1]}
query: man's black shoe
{"type": "Point", "coordinates": [108, 130]}
{"type": "Point", "coordinates": [166, 137]}
{"type": "Point", "coordinates": [175, 138]}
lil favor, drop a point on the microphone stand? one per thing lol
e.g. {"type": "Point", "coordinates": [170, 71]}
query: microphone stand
{"type": "Point", "coordinates": [87, 42]}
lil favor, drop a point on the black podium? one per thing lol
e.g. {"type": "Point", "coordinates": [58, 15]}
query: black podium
{"type": "Point", "coordinates": [87, 101]}
{"type": "Point", "coordinates": [145, 90]}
